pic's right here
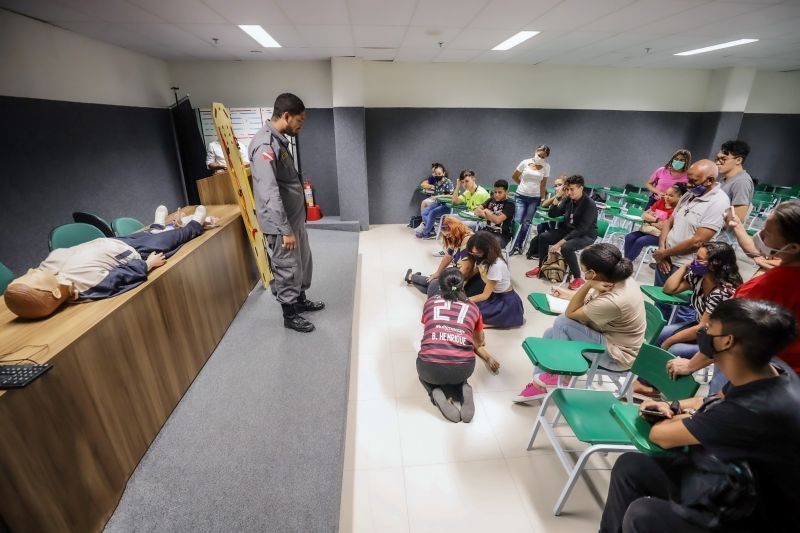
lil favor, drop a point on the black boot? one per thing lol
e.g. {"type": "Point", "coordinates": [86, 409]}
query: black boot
{"type": "Point", "coordinates": [294, 321]}
{"type": "Point", "coordinates": [305, 305]}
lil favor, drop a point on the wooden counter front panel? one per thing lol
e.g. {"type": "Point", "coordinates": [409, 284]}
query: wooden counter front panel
{"type": "Point", "coordinates": [70, 440]}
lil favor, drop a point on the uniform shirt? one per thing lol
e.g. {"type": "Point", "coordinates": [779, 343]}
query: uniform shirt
{"type": "Point", "coordinates": [530, 179]}
{"type": "Point", "coordinates": [474, 199]}
{"type": "Point", "coordinates": [459, 253]}
{"type": "Point", "coordinates": [758, 422]}
{"type": "Point", "coordinates": [693, 212]}
{"type": "Point", "coordinates": [779, 286]}
{"type": "Point", "coordinates": [277, 187]}
{"type": "Point", "coordinates": [620, 316]}
{"type": "Point", "coordinates": [443, 186]}
{"type": "Point", "coordinates": [499, 272]}
{"type": "Point", "coordinates": [506, 207]}
{"type": "Point", "coordinates": [449, 328]}
{"type": "Point", "coordinates": [215, 154]}
{"type": "Point", "coordinates": [663, 179]}
{"type": "Point", "coordinates": [706, 303]}
{"type": "Point", "coordinates": [739, 188]}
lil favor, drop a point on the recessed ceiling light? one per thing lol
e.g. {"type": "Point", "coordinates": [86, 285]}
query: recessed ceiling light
{"type": "Point", "coordinates": [260, 35]}
{"type": "Point", "coordinates": [514, 40]}
{"type": "Point", "coordinates": [717, 47]}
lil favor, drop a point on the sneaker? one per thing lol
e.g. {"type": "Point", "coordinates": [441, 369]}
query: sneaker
{"type": "Point", "coordinates": [161, 215]}
{"type": "Point", "coordinates": [440, 253]}
{"type": "Point", "coordinates": [420, 235]}
{"type": "Point", "coordinates": [429, 236]}
{"type": "Point", "coordinates": [545, 379]}
{"type": "Point", "coordinates": [531, 392]}
{"type": "Point", "coordinates": [199, 214]}
{"type": "Point", "coordinates": [576, 283]}
{"type": "Point", "coordinates": [533, 273]}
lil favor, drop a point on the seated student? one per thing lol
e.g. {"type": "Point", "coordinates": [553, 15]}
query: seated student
{"type": "Point", "coordinates": [437, 185]}
{"type": "Point", "coordinates": [473, 196]}
{"type": "Point", "coordinates": [653, 218]}
{"type": "Point", "coordinates": [554, 207]}
{"type": "Point", "coordinates": [756, 420]}
{"type": "Point", "coordinates": [608, 309]}
{"type": "Point", "coordinates": [454, 241]}
{"type": "Point", "coordinates": [98, 269]}
{"type": "Point", "coordinates": [215, 157]}
{"type": "Point", "coordinates": [453, 336]}
{"type": "Point", "coordinates": [499, 213]}
{"type": "Point", "coordinates": [531, 175]}
{"type": "Point", "coordinates": [779, 238]}
{"type": "Point", "coordinates": [578, 231]}
{"type": "Point", "coordinates": [674, 171]}
{"type": "Point", "coordinates": [500, 305]}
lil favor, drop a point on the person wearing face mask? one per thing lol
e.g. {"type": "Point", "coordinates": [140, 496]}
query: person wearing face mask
{"type": "Point", "coordinates": [780, 237]}
{"type": "Point", "coordinates": [608, 309]}
{"type": "Point", "coordinates": [532, 175]}
{"type": "Point", "coordinates": [734, 179]}
{"type": "Point", "coordinates": [755, 420]}
{"type": "Point", "coordinates": [673, 171]}
{"type": "Point", "coordinates": [654, 219]}
{"type": "Point", "coordinates": [555, 204]}
{"type": "Point", "coordinates": [696, 219]}
{"type": "Point", "coordinates": [500, 305]}
{"type": "Point", "coordinates": [438, 185]}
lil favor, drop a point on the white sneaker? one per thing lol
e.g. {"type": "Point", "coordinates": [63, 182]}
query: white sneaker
{"type": "Point", "coordinates": [161, 215]}
{"type": "Point", "coordinates": [199, 215]}
{"type": "Point", "coordinates": [440, 253]}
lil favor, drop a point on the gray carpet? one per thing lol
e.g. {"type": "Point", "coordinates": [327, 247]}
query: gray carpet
{"type": "Point", "coordinates": [257, 442]}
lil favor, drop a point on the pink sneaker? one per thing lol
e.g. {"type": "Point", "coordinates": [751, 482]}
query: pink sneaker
{"type": "Point", "coordinates": [543, 379]}
{"type": "Point", "coordinates": [531, 392]}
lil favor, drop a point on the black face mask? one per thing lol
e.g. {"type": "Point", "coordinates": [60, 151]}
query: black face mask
{"type": "Point", "coordinates": [705, 343]}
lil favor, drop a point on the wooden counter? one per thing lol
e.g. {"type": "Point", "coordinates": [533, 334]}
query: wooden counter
{"type": "Point", "coordinates": [70, 440]}
{"type": "Point", "coordinates": [217, 188]}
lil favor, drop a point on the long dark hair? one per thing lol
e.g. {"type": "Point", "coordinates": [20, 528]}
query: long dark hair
{"type": "Point", "coordinates": [722, 263]}
{"type": "Point", "coordinates": [451, 282]}
{"type": "Point", "coordinates": [488, 245]}
{"type": "Point", "coordinates": [606, 259]}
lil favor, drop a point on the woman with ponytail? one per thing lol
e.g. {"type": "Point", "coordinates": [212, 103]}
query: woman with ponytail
{"type": "Point", "coordinates": [608, 309]}
{"type": "Point", "coordinates": [453, 335]}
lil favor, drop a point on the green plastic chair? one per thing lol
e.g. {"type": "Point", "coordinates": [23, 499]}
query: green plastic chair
{"type": "Point", "coordinates": [588, 413]}
{"type": "Point", "coordinates": [658, 295]}
{"type": "Point", "coordinates": [602, 228]}
{"type": "Point", "coordinates": [655, 323]}
{"type": "Point", "coordinates": [539, 302]}
{"type": "Point", "coordinates": [638, 430]}
{"type": "Point", "coordinates": [560, 357]}
{"type": "Point", "coordinates": [6, 277]}
{"type": "Point", "coordinates": [72, 235]}
{"type": "Point", "coordinates": [125, 226]}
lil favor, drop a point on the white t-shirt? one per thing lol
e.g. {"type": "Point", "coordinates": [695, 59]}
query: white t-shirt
{"type": "Point", "coordinates": [214, 154]}
{"type": "Point", "coordinates": [531, 179]}
{"type": "Point", "coordinates": [498, 272]}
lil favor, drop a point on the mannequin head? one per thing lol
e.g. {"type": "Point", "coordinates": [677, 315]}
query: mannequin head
{"type": "Point", "coordinates": [37, 294]}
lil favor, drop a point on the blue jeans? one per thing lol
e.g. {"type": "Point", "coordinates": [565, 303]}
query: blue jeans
{"type": "Point", "coordinates": [524, 209]}
{"type": "Point", "coordinates": [431, 214]}
{"type": "Point", "coordinates": [571, 330]}
{"type": "Point", "coordinates": [681, 349]}
{"type": "Point", "coordinates": [685, 313]}
{"type": "Point", "coordinates": [635, 242]}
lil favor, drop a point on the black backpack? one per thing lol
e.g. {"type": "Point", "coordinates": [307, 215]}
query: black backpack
{"type": "Point", "coordinates": [414, 221]}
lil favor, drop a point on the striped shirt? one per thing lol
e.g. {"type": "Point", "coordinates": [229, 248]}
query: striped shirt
{"type": "Point", "coordinates": [449, 327]}
{"type": "Point", "coordinates": [706, 303]}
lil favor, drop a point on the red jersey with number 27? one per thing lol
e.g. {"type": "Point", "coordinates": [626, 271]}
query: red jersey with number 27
{"type": "Point", "coordinates": [449, 328]}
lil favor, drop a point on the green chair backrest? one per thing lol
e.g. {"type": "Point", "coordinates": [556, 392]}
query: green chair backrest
{"type": "Point", "coordinates": [6, 276]}
{"type": "Point", "coordinates": [655, 323]}
{"type": "Point", "coordinates": [635, 211]}
{"type": "Point", "coordinates": [616, 229]}
{"type": "Point", "coordinates": [512, 187]}
{"type": "Point", "coordinates": [125, 226]}
{"type": "Point", "coordinates": [73, 234]}
{"type": "Point", "coordinates": [651, 364]}
{"type": "Point", "coordinates": [616, 188]}
{"type": "Point", "coordinates": [602, 227]}
{"type": "Point", "coordinates": [763, 187]}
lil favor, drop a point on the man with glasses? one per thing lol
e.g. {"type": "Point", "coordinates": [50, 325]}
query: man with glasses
{"type": "Point", "coordinates": [734, 179]}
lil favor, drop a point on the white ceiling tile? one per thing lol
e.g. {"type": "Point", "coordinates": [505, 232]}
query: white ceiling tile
{"type": "Point", "coordinates": [381, 12]}
{"type": "Point", "coordinates": [376, 54]}
{"type": "Point", "coordinates": [48, 10]}
{"type": "Point", "coordinates": [454, 13]}
{"type": "Point", "coordinates": [263, 12]}
{"type": "Point", "coordinates": [428, 37]}
{"type": "Point", "coordinates": [478, 39]}
{"type": "Point", "coordinates": [113, 11]}
{"type": "Point", "coordinates": [302, 12]}
{"type": "Point", "coordinates": [227, 34]}
{"type": "Point", "coordinates": [510, 14]}
{"type": "Point", "coordinates": [566, 41]}
{"type": "Point", "coordinates": [325, 36]}
{"type": "Point", "coordinates": [574, 14]}
{"type": "Point", "coordinates": [456, 56]}
{"type": "Point", "coordinates": [702, 15]}
{"type": "Point", "coordinates": [416, 54]}
{"type": "Point", "coordinates": [642, 12]}
{"type": "Point", "coordinates": [166, 35]}
{"type": "Point", "coordinates": [759, 21]}
{"type": "Point", "coordinates": [180, 11]}
{"type": "Point", "coordinates": [107, 32]}
{"type": "Point", "coordinates": [379, 36]}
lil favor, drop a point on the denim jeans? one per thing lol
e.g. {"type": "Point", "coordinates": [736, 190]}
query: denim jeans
{"type": "Point", "coordinates": [571, 330]}
{"type": "Point", "coordinates": [681, 349]}
{"type": "Point", "coordinates": [524, 209]}
{"type": "Point", "coordinates": [636, 242]}
{"type": "Point", "coordinates": [431, 214]}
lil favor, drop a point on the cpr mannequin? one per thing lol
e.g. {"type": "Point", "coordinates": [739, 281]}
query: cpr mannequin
{"type": "Point", "coordinates": [101, 268]}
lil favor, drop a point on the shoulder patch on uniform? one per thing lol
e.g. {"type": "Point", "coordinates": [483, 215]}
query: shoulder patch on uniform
{"type": "Point", "coordinates": [268, 155]}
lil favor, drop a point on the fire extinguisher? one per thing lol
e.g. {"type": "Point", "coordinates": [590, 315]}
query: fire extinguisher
{"type": "Point", "coordinates": [309, 193]}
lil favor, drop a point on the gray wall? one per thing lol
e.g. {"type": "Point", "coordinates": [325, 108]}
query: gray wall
{"type": "Point", "coordinates": [60, 157]}
{"type": "Point", "coordinates": [351, 163]}
{"type": "Point", "coordinates": [318, 158]}
{"type": "Point", "coordinates": [774, 141]}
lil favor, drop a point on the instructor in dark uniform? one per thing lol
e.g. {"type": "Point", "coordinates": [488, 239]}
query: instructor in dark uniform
{"type": "Point", "coordinates": [281, 211]}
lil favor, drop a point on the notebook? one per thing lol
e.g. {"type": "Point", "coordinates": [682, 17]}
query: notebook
{"type": "Point", "coordinates": [557, 305]}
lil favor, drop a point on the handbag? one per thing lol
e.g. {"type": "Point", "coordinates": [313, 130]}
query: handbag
{"type": "Point", "coordinates": [650, 229]}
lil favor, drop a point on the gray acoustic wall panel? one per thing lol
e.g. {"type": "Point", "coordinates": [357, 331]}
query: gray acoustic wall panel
{"type": "Point", "coordinates": [318, 158]}
{"type": "Point", "coordinates": [774, 141]}
{"type": "Point", "coordinates": [60, 157]}
{"type": "Point", "coordinates": [351, 164]}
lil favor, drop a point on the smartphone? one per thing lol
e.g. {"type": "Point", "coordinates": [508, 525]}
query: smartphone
{"type": "Point", "coordinates": [652, 416]}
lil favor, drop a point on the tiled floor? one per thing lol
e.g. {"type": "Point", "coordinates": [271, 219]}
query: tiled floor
{"type": "Point", "coordinates": [406, 468]}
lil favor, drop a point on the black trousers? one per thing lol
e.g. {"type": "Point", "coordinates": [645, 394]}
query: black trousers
{"type": "Point", "coordinates": [569, 250]}
{"type": "Point", "coordinates": [166, 242]}
{"type": "Point", "coordinates": [638, 497]}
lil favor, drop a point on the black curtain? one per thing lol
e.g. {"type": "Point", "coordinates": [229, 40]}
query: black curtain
{"type": "Point", "coordinates": [191, 150]}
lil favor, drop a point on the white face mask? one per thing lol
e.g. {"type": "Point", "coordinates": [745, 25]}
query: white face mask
{"type": "Point", "coordinates": [767, 251]}
{"type": "Point", "coordinates": [537, 159]}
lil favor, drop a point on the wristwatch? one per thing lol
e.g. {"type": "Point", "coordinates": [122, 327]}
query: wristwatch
{"type": "Point", "coordinates": [675, 407]}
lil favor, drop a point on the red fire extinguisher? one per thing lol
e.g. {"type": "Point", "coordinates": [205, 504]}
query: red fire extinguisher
{"type": "Point", "coordinates": [309, 193]}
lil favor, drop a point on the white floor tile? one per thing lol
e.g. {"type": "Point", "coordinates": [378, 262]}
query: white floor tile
{"type": "Point", "coordinates": [375, 435]}
{"type": "Point", "coordinates": [374, 501]}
